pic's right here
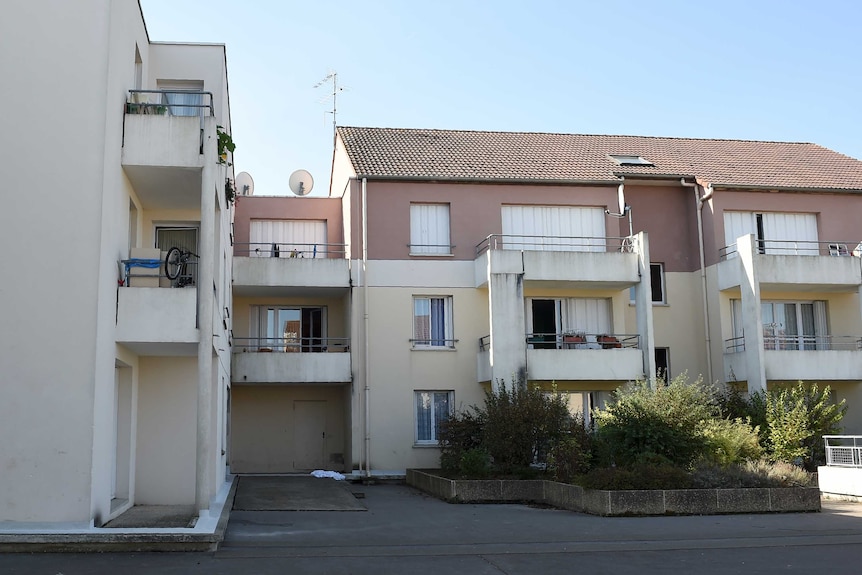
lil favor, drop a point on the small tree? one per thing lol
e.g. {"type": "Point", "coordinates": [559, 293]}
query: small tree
{"type": "Point", "coordinates": [797, 419]}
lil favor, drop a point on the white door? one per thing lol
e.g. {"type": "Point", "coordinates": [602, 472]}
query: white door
{"type": "Point", "coordinates": [286, 238]}
{"type": "Point", "coordinates": [553, 228]}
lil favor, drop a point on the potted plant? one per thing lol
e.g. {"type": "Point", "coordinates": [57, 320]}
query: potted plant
{"type": "Point", "coordinates": [225, 145]}
{"type": "Point", "coordinates": [573, 338]}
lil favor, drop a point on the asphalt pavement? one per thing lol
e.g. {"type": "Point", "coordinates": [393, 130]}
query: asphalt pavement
{"type": "Point", "coordinates": [406, 531]}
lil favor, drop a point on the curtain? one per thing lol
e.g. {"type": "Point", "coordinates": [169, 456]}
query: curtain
{"type": "Point", "coordinates": [438, 322]}
{"type": "Point", "coordinates": [423, 416]}
{"type": "Point", "coordinates": [184, 103]}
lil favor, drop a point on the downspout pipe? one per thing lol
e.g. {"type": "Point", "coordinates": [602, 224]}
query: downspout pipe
{"type": "Point", "coordinates": [366, 354]}
{"type": "Point", "coordinates": [699, 200]}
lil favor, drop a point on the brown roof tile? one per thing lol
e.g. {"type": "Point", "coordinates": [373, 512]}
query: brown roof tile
{"type": "Point", "coordinates": [511, 156]}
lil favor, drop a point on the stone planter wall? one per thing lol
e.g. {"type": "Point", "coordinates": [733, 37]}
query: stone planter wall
{"type": "Point", "coordinates": [619, 503]}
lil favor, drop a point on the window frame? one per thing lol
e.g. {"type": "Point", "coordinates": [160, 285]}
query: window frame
{"type": "Point", "coordinates": [448, 339]}
{"type": "Point", "coordinates": [434, 441]}
{"type": "Point", "coordinates": [662, 279]}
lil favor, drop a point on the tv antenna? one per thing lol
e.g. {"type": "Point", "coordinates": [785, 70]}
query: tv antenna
{"type": "Point", "coordinates": [331, 77]}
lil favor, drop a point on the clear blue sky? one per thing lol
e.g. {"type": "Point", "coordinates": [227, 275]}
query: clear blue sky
{"type": "Point", "coordinates": [756, 69]}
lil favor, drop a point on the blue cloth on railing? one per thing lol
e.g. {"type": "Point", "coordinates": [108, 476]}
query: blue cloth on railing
{"type": "Point", "coordinates": [142, 263]}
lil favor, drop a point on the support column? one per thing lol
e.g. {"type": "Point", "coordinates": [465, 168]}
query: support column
{"type": "Point", "coordinates": [643, 307]}
{"type": "Point", "coordinates": [206, 297]}
{"type": "Point", "coordinates": [752, 322]}
{"type": "Point", "coordinates": [508, 351]}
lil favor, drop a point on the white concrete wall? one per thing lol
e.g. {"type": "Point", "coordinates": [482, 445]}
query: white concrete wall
{"type": "Point", "coordinates": [165, 454]}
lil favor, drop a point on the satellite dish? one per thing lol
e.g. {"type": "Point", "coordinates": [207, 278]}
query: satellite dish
{"type": "Point", "coordinates": [300, 182]}
{"type": "Point", "coordinates": [621, 199]}
{"type": "Point", "coordinates": [244, 184]}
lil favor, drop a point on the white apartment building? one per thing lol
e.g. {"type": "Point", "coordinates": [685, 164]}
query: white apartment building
{"type": "Point", "coordinates": [114, 379]}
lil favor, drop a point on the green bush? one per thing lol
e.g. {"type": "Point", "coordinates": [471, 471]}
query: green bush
{"type": "Point", "coordinates": [475, 463]}
{"type": "Point", "coordinates": [457, 435]}
{"type": "Point", "coordinates": [639, 476]}
{"type": "Point", "coordinates": [730, 441]}
{"type": "Point", "coordinates": [572, 455]}
{"type": "Point", "coordinates": [798, 418]}
{"type": "Point", "coordinates": [521, 425]}
{"type": "Point", "coordinates": [643, 422]}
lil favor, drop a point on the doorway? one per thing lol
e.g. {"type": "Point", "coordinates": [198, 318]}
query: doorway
{"type": "Point", "coordinates": [309, 434]}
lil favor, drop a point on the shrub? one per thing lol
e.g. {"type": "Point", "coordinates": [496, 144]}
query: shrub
{"type": "Point", "coordinates": [521, 425]}
{"type": "Point", "coordinates": [639, 476]}
{"type": "Point", "coordinates": [642, 422]}
{"type": "Point", "coordinates": [572, 455]}
{"type": "Point", "coordinates": [798, 418]}
{"type": "Point", "coordinates": [475, 463]}
{"type": "Point", "coordinates": [730, 441]}
{"type": "Point", "coordinates": [781, 473]}
{"type": "Point", "coordinates": [459, 434]}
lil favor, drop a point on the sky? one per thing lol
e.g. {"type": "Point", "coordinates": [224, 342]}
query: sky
{"type": "Point", "coordinates": [755, 69]}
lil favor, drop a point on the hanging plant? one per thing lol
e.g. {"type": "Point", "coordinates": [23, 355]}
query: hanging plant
{"type": "Point", "coordinates": [225, 145]}
{"type": "Point", "coordinates": [229, 191]}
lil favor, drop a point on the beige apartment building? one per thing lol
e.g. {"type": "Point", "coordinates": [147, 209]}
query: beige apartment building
{"type": "Point", "coordinates": [445, 262]}
{"type": "Point", "coordinates": [114, 377]}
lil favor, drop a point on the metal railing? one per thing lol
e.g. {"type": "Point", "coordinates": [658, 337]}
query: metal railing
{"type": "Point", "coordinates": [555, 244]}
{"type": "Point", "coordinates": [840, 454]}
{"type": "Point", "coordinates": [795, 248]}
{"type": "Point", "coordinates": [430, 249]}
{"type": "Point", "coordinates": [583, 341]}
{"type": "Point", "coordinates": [433, 343]}
{"type": "Point", "coordinates": [291, 344]}
{"type": "Point", "coordinates": [799, 343]}
{"type": "Point", "coordinates": [485, 343]}
{"type": "Point", "coordinates": [157, 102]}
{"type": "Point", "coordinates": [289, 250]}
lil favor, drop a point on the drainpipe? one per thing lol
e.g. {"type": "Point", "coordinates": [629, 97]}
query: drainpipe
{"type": "Point", "coordinates": [699, 200]}
{"type": "Point", "coordinates": [367, 365]}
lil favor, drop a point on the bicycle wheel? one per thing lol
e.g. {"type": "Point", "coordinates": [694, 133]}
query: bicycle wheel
{"type": "Point", "coordinates": [173, 263]}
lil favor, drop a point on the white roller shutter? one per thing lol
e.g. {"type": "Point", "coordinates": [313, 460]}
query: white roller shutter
{"type": "Point", "coordinates": [307, 238]}
{"type": "Point", "coordinates": [553, 228]}
{"type": "Point", "coordinates": [429, 229]}
{"type": "Point", "coordinates": [737, 224]}
{"type": "Point", "coordinates": [794, 234]}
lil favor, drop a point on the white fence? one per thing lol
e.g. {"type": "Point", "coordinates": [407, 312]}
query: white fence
{"type": "Point", "coordinates": [843, 450]}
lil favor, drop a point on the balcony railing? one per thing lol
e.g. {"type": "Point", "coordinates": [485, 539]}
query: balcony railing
{"type": "Point", "coordinates": [796, 248]}
{"type": "Point", "coordinates": [843, 450]}
{"type": "Point", "coordinates": [799, 343]}
{"type": "Point", "coordinates": [289, 250]}
{"type": "Point", "coordinates": [583, 341]}
{"type": "Point", "coordinates": [170, 102]}
{"type": "Point", "coordinates": [485, 343]}
{"type": "Point", "coordinates": [555, 244]}
{"type": "Point", "coordinates": [291, 344]}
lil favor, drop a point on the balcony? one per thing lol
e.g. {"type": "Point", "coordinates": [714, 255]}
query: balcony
{"type": "Point", "coordinates": [163, 146]}
{"type": "Point", "coordinates": [301, 360]}
{"type": "Point", "coordinates": [815, 358]}
{"type": "Point", "coordinates": [574, 357]}
{"type": "Point", "coordinates": [158, 321]}
{"type": "Point", "coordinates": [566, 262]}
{"type": "Point", "coordinates": [795, 266]}
{"type": "Point", "coordinates": [290, 269]}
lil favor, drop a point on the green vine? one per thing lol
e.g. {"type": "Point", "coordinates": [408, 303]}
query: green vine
{"type": "Point", "coordinates": [225, 145]}
{"type": "Point", "coordinates": [229, 191]}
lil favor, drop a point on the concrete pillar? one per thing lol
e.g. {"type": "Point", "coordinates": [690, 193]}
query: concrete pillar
{"type": "Point", "coordinates": [643, 307]}
{"type": "Point", "coordinates": [508, 350]}
{"type": "Point", "coordinates": [206, 303]}
{"type": "Point", "coordinates": [752, 322]}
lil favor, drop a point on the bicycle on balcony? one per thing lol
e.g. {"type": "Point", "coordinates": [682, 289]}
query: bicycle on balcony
{"type": "Point", "coordinates": [177, 267]}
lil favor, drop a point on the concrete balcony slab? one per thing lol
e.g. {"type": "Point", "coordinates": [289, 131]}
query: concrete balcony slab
{"type": "Point", "coordinates": [281, 367]}
{"type": "Point", "coordinates": [260, 275]}
{"type": "Point", "coordinates": [624, 364]}
{"type": "Point", "coordinates": [158, 321]}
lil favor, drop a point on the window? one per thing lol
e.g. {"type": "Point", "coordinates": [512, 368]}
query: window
{"type": "Point", "coordinates": [429, 229]}
{"type": "Point", "coordinates": [184, 238]}
{"type": "Point", "coordinates": [432, 409]}
{"type": "Point", "coordinates": [183, 97]}
{"type": "Point", "coordinates": [553, 228]}
{"type": "Point", "coordinates": [657, 285]}
{"type": "Point", "coordinates": [788, 325]}
{"type": "Point", "coordinates": [432, 322]}
{"type": "Point", "coordinates": [630, 160]}
{"type": "Point", "coordinates": [549, 319]}
{"type": "Point", "coordinates": [288, 329]}
{"type": "Point", "coordinates": [662, 363]}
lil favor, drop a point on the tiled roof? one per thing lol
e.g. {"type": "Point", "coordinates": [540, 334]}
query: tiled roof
{"type": "Point", "coordinates": [508, 156]}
